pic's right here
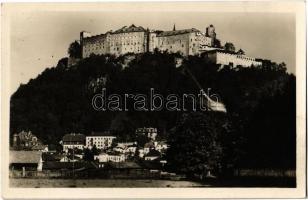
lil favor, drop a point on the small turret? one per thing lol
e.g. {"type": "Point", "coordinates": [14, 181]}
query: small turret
{"type": "Point", "coordinates": [210, 31]}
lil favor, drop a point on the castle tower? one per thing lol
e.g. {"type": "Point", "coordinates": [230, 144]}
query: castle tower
{"type": "Point", "coordinates": [173, 27]}
{"type": "Point", "coordinates": [83, 34]}
{"type": "Point", "coordinates": [210, 32]}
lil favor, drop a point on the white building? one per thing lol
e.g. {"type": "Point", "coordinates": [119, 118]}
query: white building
{"type": "Point", "coordinates": [110, 157]}
{"type": "Point", "coordinates": [222, 57]}
{"type": "Point", "coordinates": [72, 141]}
{"type": "Point", "coordinates": [161, 146]}
{"type": "Point", "coordinates": [101, 140]}
{"type": "Point", "coordinates": [149, 132]}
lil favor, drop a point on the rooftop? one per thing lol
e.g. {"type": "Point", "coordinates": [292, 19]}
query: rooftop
{"type": "Point", "coordinates": [177, 32]}
{"type": "Point", "coordinates": [74, 137]}
{"type": "Point", "coordinates": [103, 133]}
{"type": "Point", "coordinates": [131, 28]}
{"type": "Point", "coordinates": [123, 165]}
{"type": "Point", "coordinates": [25, 156]}
{"type": "Point", "coordinates": [49, 165]}
{"type": "Point", "coordinates": [153, 153]}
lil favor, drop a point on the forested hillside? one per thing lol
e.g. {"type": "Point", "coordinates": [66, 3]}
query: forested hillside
{"type": "Point", "coordinates": [259, 126]}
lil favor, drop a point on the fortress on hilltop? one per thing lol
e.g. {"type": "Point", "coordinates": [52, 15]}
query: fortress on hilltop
{"type": "Point", "coordinates": [136, 39]}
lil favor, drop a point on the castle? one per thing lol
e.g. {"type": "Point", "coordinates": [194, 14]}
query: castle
{"type": "Point", "coordinates": [136, 39]}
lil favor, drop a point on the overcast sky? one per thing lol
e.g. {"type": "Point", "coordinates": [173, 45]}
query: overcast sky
{"type": "Point", "coordinates": [40, 39]}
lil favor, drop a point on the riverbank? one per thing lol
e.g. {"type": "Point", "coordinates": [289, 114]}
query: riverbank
{"type": "Point", "coordinates": [125, 183]}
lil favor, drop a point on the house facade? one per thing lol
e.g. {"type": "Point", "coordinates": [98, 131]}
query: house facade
{"type": "Point", "coordinates": [101, 140]}
{"type": "Point", "coordinates": [110, 157]}
{"type": "Point", "coordinates": [148, 131]}
{"type": "Point", "coordinates": [72, 141]}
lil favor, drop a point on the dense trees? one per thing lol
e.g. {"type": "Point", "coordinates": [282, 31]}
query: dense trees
{"type": "Point", "coordinates": [74, 50]}
{"type": "Point", "coordinates": [195, 146]}
{"type": "Point", "coordinates": [229, 47]}
{"type": "Point", "coordinates": [258, 129]}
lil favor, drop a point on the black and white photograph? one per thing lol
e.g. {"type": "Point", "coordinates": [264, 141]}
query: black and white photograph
{"type": "Point", "coordinates": [179, 96]}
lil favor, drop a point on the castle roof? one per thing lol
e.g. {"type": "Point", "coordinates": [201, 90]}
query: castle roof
{"type": "Point", "coordinates": [177, 32]}
{"type": "Point", "coordinates": [131, 28]}
{"type": "Point", "coordinates": [73, 137]}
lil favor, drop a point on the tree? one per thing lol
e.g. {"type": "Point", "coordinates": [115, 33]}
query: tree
{"type": "Point", "coordinates": [195, 148]}
{"type": "Point", "coordinates": [74, 50]}
{"type": "Point", "coordinates": [94, 150]}
{"type": "Point", "coordinates": [217, 43]}
{"type": "Point", "coordinates": [229, 47]}
{"type": "Point", "coordinates": [88, 155]}
{"type": "Point", "coordinates": [142, 140]}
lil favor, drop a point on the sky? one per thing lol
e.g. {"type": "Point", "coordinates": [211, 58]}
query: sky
{"type": "Point", "coordinates": [40, 39]}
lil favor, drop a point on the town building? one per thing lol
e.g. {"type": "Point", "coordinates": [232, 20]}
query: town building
{"type": "Point", "coordinates": [26, 161]}
{"type": "Point", "coordinates": [126, 148]}
{"type": "Point", "coordinates": [110, 157]}
{"type": "Point", "coordinates": [72, 141]}
{"type": "Point", "coordinates": [161, 146]}
{"type": "Point", "coordinates": [101, 140]}
{"type": "Point", "coordinates": [222, 57]}
{"type": "Point", "coordinates": [149, 132]}
{"type": "Point", "coordinates": [26, 140]}
{"type": "Point", "coordinates": [146, 149]}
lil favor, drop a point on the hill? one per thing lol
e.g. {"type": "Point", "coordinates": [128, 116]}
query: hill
{"type": "Point", "coordinates": [260, 100]}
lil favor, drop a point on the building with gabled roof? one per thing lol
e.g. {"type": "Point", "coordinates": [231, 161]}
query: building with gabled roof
{"type": "Point", "coordinates": [72, 141]}
{"type": "Point", "coordinates": [26, 160]}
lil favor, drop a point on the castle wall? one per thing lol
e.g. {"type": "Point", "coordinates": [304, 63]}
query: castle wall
{"type": "Point", "coordinates": [223, 58]}
{"type": "Point", "coordinates": [132, 42]}
{"type": "Point", "coordinates": [174, 43]}
{"type": "Point", "coordinates": [96, 45]}
{"type": "Point", "coordinates": [139, 40]}
{"type": "Point", "coordinates": [117, 44]}
{"type": "Point", "coordinates": [152, 41]}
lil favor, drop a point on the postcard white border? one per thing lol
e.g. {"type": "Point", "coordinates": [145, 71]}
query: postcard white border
{"type": "Point", "coordinates": [296, 7]}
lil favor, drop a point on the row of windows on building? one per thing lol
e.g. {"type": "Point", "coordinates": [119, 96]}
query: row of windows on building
{"type": "Point", "coordinates": [126, 36]}
{"type": "Point", "coordinates": [98, 142]}
{"type": "Point", "coordinates": [97, 46]}
{"type": "Point", "coordinates": [100, 138]}
{"type": "Point", "coordinates": [194, 45]}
